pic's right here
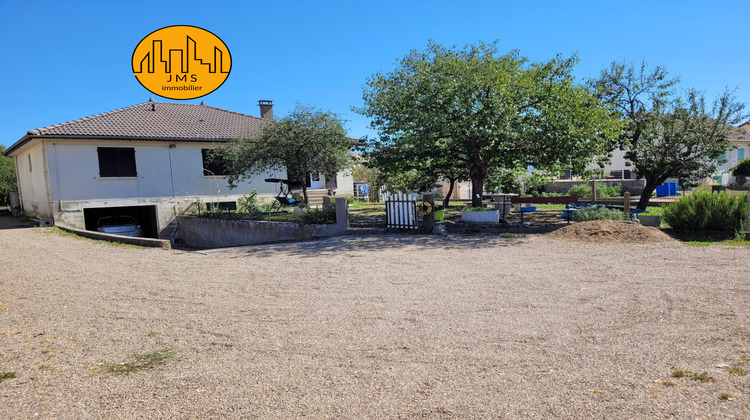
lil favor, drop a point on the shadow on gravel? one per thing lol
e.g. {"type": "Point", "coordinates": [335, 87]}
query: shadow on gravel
{"type": "Point", "coordinates": [9, 222]}
{"type": "Point", "coordinates": [379, 242]}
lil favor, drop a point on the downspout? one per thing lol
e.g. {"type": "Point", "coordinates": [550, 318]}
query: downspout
{"type": "Point", "coordinates": [47, 179]}
{"type": "Point", "coordinates": [171, 172]}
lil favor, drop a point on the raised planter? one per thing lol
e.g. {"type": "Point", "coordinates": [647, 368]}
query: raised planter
{"type": "Point", "coordinates": [480, 217]}
{"type": "Point", "coordinates": [211, 232]}
{"type": "Point", "coordinates": [653, 220]}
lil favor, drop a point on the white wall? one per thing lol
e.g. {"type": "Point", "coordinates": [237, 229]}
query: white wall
{"type": "Point", "coordinates": [32, 181]}
{"type": "Point", "coordinates": [617, 163]}
{"type": "Point", "coordinates": [162, 172]}
{"type": "Point", "coordinates": [344, 183]}
{"type": "Point", "coordinates": [169, 178]}
{"type": "Point", "coordinates": [733, 158]}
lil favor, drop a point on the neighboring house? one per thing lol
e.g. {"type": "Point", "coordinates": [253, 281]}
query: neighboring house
{"type": "Point", "coordinates": [741, 151]}
{"type": "Point", "coordinates": [147, 161]}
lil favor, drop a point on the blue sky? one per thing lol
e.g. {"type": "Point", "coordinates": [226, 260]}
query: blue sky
{"type": "Point", "coordinates": [65, 60]}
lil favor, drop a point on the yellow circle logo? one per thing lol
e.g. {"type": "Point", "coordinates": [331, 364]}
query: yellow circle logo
{"type": "Point", "coordinates": [181, 62]}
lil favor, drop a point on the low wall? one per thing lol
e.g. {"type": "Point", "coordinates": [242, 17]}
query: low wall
{"type": "Point", "coordinates": [149, 242]}
{"type": "Point", "coordinates": [211, 232]}
{"type": "Point", "coordinates": [633, 186]}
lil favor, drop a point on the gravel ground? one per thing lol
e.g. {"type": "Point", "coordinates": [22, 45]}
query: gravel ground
{"type": "Point", "coordinates": [382, 326]}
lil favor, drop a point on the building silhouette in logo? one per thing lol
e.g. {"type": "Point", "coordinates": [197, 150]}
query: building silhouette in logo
{"type": "Point", "coordinates": [182, 58]}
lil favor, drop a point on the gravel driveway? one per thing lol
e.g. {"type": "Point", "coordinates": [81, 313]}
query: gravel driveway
{"type": "Point", "coordinates": [382, 326]}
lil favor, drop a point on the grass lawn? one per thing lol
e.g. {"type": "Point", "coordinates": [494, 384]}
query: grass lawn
{"type": "Point", "coordinates": [707, 188]}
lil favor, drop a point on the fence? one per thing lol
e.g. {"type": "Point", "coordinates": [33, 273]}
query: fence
{"type": "Point", "coordinates": [401, 212]}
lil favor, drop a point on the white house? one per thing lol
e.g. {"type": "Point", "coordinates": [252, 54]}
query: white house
{"type": "Point", "coordinates": [147, 160]}
{"type": "Point", "coordinates": [741, 151]}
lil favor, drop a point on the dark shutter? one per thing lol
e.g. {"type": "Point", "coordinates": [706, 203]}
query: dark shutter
{"type": "Point", "coordinates": [116, 162]}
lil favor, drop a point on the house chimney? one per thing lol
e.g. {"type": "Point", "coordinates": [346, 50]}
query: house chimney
{"type": "Point", "coordinates": [266, 109]}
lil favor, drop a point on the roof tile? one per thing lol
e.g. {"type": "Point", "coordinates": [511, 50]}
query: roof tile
{"type": "Point", "coordinates": [160, 120]}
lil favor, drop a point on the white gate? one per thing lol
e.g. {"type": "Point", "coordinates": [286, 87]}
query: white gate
{"type": "Point", "coordinates": [401, 211]}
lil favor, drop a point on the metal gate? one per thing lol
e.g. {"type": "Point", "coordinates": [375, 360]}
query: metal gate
{"type": "Point", "coordinates": [401, 212]}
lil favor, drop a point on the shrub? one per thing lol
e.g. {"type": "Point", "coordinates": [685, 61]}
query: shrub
{"type": "Point", "coordinates": [582, 190]}
{"type": "Point", "coordinates": [318, 216]}
{"type": "Point", "coordinates": [249, 203]}
{"type": "Point", "coordinates": [605, 190]}
{"type": "Point", "coordinates": [600, 213]}
{"type": "Point", "coordinates": [7, 178]}
{"type": "Point", "coordinates": [706, 211]}
{"type": "Point", "coordinates": [742, 171]}
{"type": "Point", "coordinates": [602, 190]}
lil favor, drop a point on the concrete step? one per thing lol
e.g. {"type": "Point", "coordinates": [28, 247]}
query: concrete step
{"type": "Point", "coordinates": [314, 197]}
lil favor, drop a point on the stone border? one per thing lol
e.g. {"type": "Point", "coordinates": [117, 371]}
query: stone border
{"type": "Point", "coordinates": [147, 242]}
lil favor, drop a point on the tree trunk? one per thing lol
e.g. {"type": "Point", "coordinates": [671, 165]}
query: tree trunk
{"type": "Point", "coordinates": [304, 192]}
{"type": "Point", "coordinates": [447, 199]}
{"type": "Point", "coordinates": [651, 184]}
{"type": "Point", "coordinates": [477, 188]}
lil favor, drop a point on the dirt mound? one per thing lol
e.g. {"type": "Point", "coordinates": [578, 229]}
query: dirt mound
{"type": "Point", "coordinates": [609, 231]}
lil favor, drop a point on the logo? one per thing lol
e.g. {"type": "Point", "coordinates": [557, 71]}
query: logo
{"type": "Point", "coordinates": [181, 62]}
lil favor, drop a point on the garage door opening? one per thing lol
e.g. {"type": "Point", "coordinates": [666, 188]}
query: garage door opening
{"type": "Point", "coordinates": [145, 215]}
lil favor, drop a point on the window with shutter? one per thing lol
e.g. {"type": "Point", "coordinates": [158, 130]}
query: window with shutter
{"type": "Point", "coordinates": [116, 162]}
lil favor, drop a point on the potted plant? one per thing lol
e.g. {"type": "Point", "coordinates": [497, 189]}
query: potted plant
{"type": "Point", "coordinates": [480, 215]}
{"type": "Point", "coordinates": [439, 213]}
{"type": "Point", "coordinates": [650, 219]}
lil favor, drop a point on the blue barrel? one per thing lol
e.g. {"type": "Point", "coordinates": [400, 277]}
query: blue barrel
{"type": "Point", "coordinates": [672, 188]}
{"type": "Point", "coordinates": [662, 190]}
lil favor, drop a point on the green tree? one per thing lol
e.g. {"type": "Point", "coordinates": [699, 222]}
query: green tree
{"type": "Point", "coordinates": [486, 110]}
{"type": "Point", "coordinates": [742, 171]}
{"type": "Point", "coordinates": [408, 164]}
{"type": "Point", "coordinates": [668, 135]}
{"type": "Point", "coordinates": [305, 142]}
{"type": "Point", "coordinates": [7, 177]}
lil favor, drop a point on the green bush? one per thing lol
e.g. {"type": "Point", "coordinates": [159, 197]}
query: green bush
{"type": "Point", "coordinates": [582, 190]}
{"type": "Point", "coordinates": [600, 213]}
{"type": "Point", "coordinates": [602, 190]}
{"type": "Point", "coordinates": [7, 178]}
{"type": "Point", "coordinates": [706, 211]}
{"type": "Point", "coordinates": [605, 190]}
{"type": "Point", "coordinates": [742, 171]}
{"type": "Point", "coordinates": [318, 216]}
{"type": "Point", "coordinates": [248, 203]}
{"type": "Point", "coordinates": [547, 194]}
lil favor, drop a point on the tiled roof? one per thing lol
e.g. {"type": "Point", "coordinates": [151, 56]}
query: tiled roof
{"type": "Point", "coordinates": [154, 120]}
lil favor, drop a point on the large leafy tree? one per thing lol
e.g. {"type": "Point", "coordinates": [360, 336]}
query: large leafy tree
{"type": "Point", "coordinates": [306, 141]}
{"type": "Point", "coordinates": [406, 164]}
{"type": "Point", "coordinates": [667, 134]}
{"type": "Point", "coordinates": [7, 177]}
{"type": "Point", "coordinates": [486, 110]}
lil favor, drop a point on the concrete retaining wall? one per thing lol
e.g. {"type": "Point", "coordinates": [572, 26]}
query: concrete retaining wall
{"type": "Point", "coordinates": [211, 232]}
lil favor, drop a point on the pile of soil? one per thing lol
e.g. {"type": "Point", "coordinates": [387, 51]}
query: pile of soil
{"type": "Point", "coordinates": [609, 231]}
